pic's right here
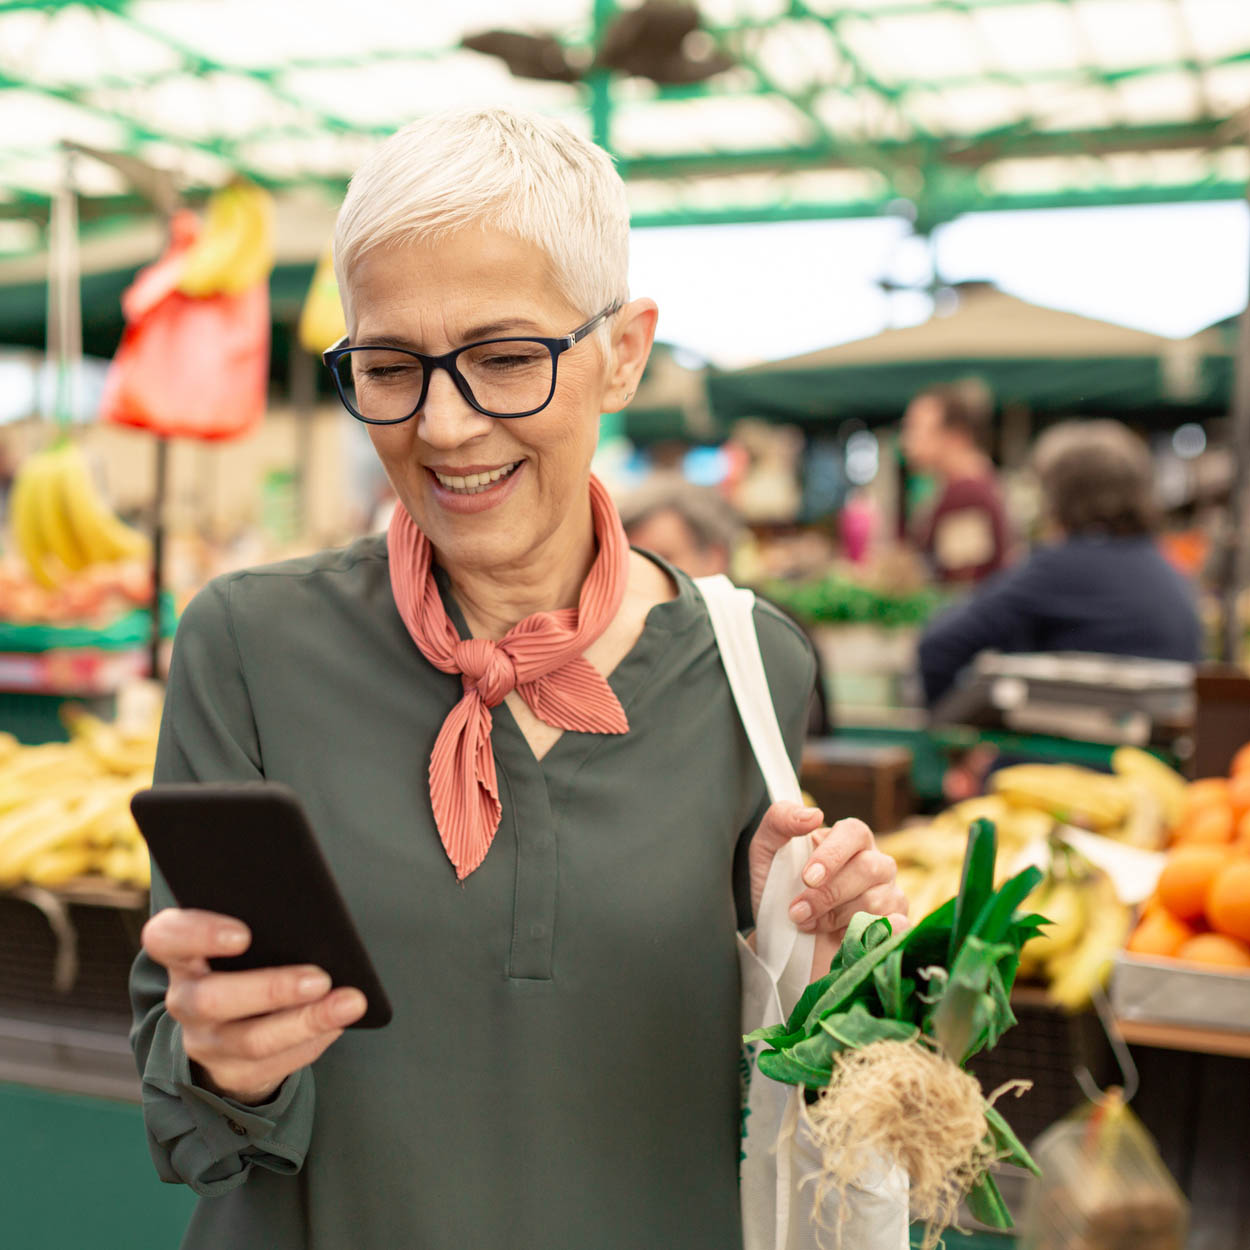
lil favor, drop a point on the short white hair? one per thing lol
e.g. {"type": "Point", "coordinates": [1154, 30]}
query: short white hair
{"type": "Point", "coordinates": [526, 175]}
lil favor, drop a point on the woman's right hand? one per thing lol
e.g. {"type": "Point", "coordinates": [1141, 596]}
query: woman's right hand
{"type": "Point", "coordinates": [245, 1031]}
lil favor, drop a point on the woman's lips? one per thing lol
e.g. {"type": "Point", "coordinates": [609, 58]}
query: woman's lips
{"type": "Point", "coordinates": [483, 499]}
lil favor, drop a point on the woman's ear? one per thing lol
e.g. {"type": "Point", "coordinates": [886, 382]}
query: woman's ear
{"type": "Point", "coordinates": [633, 332]}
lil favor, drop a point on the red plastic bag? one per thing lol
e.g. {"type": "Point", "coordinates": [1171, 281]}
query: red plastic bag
{"type": "Point", "coordinates": [189, 367]}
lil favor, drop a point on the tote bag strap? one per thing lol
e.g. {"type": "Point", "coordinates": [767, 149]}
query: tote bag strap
{"type": "Point", "coordinates": [783, 949]}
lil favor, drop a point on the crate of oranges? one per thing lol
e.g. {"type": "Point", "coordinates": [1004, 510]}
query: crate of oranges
{"type": "Point", "coordinates": [1188, 957]}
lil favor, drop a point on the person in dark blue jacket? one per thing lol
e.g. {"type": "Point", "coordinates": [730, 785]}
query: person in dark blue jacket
{"type": "Point", "coordinates": [1098, 584]}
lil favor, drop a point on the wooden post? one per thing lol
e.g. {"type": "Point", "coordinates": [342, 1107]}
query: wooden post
{"type": "Point", "coordinates": [302, 382]}
{"type": "Point", "coordinates": [1238, 564]}
{"type": "Point", "coordinates": [158, 551]}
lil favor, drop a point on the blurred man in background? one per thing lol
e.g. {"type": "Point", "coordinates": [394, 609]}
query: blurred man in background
{"type": "Point", "coordinates": [1099, 584]}
{"type": "Point", "coordinates": [964, 535]}
{"type": "Point", "coordinates": [696, 529]}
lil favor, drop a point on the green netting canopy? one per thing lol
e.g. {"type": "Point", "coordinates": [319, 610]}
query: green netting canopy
{"type": "Point", "coordinates": [770, 110]}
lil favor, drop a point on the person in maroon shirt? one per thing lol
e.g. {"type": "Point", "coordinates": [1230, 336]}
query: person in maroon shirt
{"type": "Point", "coordinates": [964, 535]}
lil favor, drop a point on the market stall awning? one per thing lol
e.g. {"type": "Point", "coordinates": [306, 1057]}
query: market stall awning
{"type": "Point", "coordinates": [1050, 361]}
{"type": "Point", "coordinates": [810, 108]}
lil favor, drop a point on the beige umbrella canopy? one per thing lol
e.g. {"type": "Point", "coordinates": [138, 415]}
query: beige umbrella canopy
{"type": "Point", "coordinates": [985, 321]}
{"type": "Point", "coordinates": [1048, 360]}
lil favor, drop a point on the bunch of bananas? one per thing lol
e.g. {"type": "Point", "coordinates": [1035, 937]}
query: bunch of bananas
{"type": "Point", "coordinates": [234, 251]}
{"type": "Point", "coordinates": [1089, 924]}
{"type": "Point", "coordinates": [65, 806]}
{"type": "Point", "coordinates": [61, 523]}
{"type": "Point", "coordinates": [1136, 803]}
{"type": "Point", "coordinates": [930, 857]}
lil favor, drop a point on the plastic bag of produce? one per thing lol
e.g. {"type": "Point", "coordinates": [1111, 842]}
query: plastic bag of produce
{"type": "Point", "coordinates": [193, 368]}
{"type": "Point", "coordinates": [1102, 1186]}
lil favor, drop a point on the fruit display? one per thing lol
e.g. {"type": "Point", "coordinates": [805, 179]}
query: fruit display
{"type": "Point", "coordinates": [60, 523]}
{"type": "Point", "coordinates": [1136, 803]}
{"type": "Point", "coordinates": [930, 856]}
{"type": "Point", "coordinates": [1073, 956]}
{"type": "Point", "coordinates": [65, 806]}
{"type": "Point", "coordinates": [92, 598]}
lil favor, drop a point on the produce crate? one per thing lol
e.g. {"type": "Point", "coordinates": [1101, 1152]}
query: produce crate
{"type": "Point", "coordinates": [1165, 992]}
{"type": "Point", "coordinates": [68, 959]}
{"type": "Point", "coordinates": [867, 781]}
{"type": "Point", "coordinates": [1046, 1047]}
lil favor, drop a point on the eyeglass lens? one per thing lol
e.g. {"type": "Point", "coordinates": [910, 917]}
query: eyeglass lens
{"type": "Point", "coordinates": [504, 378]}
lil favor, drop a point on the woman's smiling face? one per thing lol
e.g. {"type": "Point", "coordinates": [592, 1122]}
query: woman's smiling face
{"type": "Point", "coordinates": [433, 297]}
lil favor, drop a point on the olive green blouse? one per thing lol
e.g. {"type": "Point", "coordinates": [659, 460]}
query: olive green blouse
{"type": "Point", "coordinates": [562, 1069]}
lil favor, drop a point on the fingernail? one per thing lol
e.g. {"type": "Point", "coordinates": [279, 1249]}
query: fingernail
{"type": "Point", "coordinates": [809, 812]}
{"type": "Point", "coordinates": [800, 912]}
{"type": "Point", "coordinates": [232, 937]}
{"type": "Point", "coordinates": [814, 874]}
{"type": "Point", "coordinates": [348, 1007]}
{"type": "Point", "coordinates": [314, 985]}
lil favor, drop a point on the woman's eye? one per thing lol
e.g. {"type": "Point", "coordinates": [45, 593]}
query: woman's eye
{"type": "Point", "coordinates": [381, 373]}
{"type": "Point", "coordinates": [509, 362]}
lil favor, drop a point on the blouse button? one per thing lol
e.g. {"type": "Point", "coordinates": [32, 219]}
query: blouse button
{"type": "Point", "coordinates": [237, 1128]}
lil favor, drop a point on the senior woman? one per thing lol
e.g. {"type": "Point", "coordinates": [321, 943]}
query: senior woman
{"type": "Point", "coordinates": [515, 740]}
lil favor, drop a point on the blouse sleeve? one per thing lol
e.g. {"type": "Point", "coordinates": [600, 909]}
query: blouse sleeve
{"type": "Point", "coordinates": [790, 664]}
{"type": "Point", "coordinates": [208, 734]}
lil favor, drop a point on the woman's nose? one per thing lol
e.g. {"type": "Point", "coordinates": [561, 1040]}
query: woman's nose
{"type": "Point", "coordinates": [447, 419]}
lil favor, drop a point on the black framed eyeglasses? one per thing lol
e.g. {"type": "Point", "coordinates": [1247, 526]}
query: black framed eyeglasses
{"type": "Point", "coordinates": [509, 377]}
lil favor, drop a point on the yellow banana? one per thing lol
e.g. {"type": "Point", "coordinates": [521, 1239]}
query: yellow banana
{"type": "Point", "coordinates": [1167, 785]}
{"type": "Point", "coordinates": [59, 865]}
{"type": "Point", "coordinates": [102, 535]}
{"type": "Point", "coordinates": [128, 865]}
{"type": "Point", "coordinates": [1145, 825]}
{"type": "Point", "coordinates": [1076, 972]}
{"type": "Point", "coordinates": [1064, 906]}
{"type": "Point", "coordinates": [1070, 794]}
{"type": "Point", "coordinates": [58, 534]}
{"type": "Point", "coordinates": [32, 828]}
{"type": "Point", "coordinates": [235, 250]}
{"type": "Point", "coordinates": [255, 259]}
{"type": "Point", "coordinates": [321, 319]}
{"type": "Point", "coordinates": [25, 522]}
{"type": "Point", "coordinates": [958, 818]}
{"type": "Point", "coordinates": [105, 743]}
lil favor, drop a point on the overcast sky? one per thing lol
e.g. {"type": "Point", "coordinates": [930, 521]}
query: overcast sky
{"type": "Point", "coordinates": [740, 294]}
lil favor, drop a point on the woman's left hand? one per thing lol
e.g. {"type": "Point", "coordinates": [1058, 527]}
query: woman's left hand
{"type": "Point", "coordinates": [846, 874]}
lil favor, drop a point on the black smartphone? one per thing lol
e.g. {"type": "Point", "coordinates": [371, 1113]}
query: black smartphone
{"type": "Point", "coordinates": [247, 850]}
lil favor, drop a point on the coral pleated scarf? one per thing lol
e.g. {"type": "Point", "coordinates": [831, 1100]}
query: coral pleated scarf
{"type": "Point", "coordinates": [540, 658]}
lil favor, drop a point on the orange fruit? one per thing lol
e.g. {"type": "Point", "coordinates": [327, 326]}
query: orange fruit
{"type": "Point", "coordinates": [1159, 934]}
{"type": "Point", "coordinates": [1243, 828]}
{"type": "Point", "coordinates": [1204, 792]}
{"type": "Point", "coordinates": [1239, 796]}
{"type": "Point", "coordinates": [1186, 879]}
{"type": "Point", "coordinates": [1241, 761]}
{"type": "Point", "coordinates": [1228, 901]}
{"type": "Point", "coordinates": [1216, 950]}
{"type": "Point", "coordinates": [1210, 825]}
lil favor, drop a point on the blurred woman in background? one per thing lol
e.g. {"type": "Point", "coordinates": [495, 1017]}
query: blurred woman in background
{"type": "Point", "coordinates": [1097, 584]}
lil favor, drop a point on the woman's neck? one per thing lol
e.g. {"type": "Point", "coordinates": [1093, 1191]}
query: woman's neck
{"type": "Point", "coordinates": [493, 600]}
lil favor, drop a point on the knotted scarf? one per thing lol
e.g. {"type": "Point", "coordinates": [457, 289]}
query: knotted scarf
{"type": "Point", "coordinates": [539, 657]}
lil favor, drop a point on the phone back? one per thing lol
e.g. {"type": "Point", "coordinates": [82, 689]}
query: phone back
{"type": "Point", "coordinates": [247, 850]}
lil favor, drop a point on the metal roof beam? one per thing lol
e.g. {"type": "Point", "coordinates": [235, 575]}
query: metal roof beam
{"type": "Point", "coordinates": [104, 211]}
{"type": "Point", "coordinates": [964, 151]}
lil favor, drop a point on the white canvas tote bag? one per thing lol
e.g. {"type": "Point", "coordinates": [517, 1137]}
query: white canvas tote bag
{"type": "Point", "coordinates": [778, 1208]}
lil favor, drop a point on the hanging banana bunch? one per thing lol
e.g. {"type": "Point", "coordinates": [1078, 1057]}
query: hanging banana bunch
{"type": "Point", "coordinates": [234, 251]}
{"type": "Point", "coordinates": [61, 523]}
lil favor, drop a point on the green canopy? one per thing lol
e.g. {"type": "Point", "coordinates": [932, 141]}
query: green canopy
{"type": "Point", "coordinates": [1052, 362]}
